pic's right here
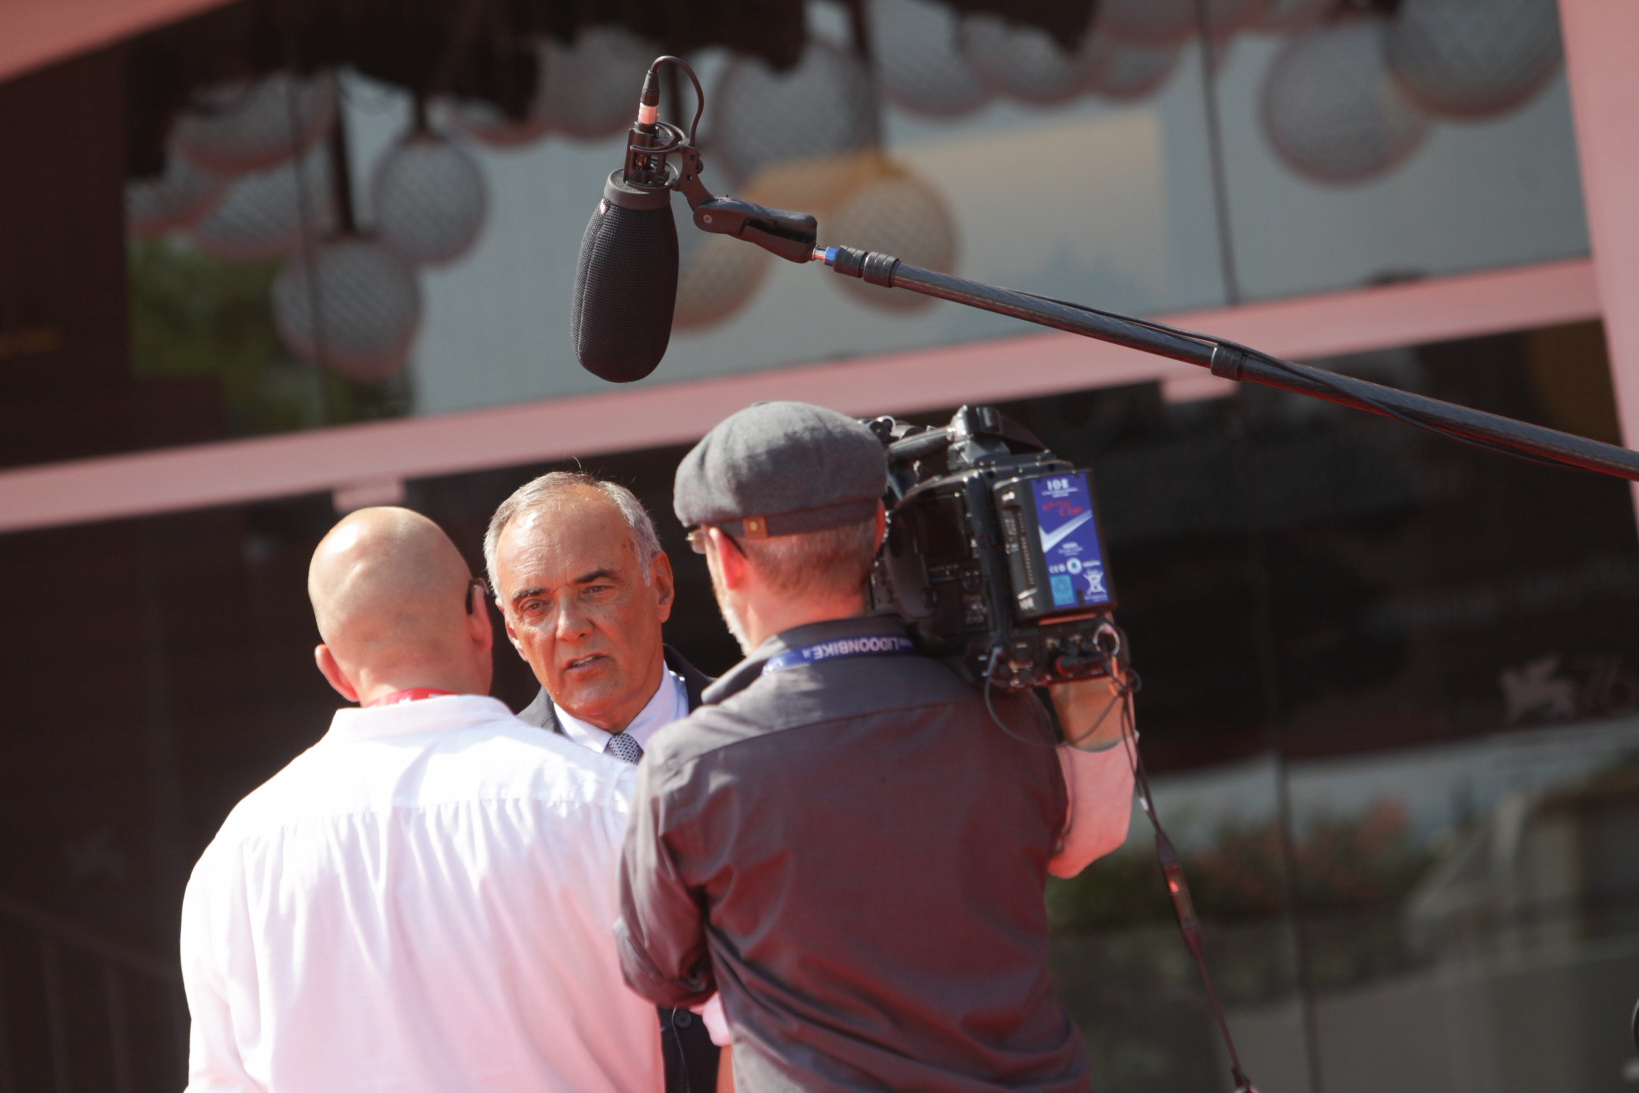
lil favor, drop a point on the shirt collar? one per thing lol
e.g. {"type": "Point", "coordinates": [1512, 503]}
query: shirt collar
{"type": "Point", "coordinates": [670, 702]}
{"type": "Point", "coordinates": [354, 723]}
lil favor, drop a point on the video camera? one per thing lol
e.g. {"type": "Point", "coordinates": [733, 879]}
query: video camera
{"type": "Point", "coordinates": [992, 553]}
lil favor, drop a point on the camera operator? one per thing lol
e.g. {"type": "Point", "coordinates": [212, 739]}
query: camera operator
{"type": "Point", "coordinates": [843, 841]}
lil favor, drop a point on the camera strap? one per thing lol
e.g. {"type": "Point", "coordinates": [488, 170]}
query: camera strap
{"type": "Point", "coordinates": [869, 645]}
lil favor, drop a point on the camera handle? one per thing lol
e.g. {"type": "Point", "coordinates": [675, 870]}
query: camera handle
{"type": "Point", "coordinates": [1228, 360]}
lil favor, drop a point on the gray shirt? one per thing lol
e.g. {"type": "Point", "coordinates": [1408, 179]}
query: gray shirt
{"type": "Point", "coordinates": [854, 854]}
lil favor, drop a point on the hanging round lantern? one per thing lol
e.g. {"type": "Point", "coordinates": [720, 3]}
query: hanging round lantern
{"type": "Point", "coordinates": [805, 136]}
{"type": "Point", "coordinates": [590, 87]}
{"type": "Point", "coordinates": [1023, 61]}
{"type": "Point", "coordinates": [266, 213]}
{"type": "Point", "coordinates": [1288, 16]}
{"type": "Point", "coordinates": [1146, 22]}
{"type": "Point", "coordinates": [174, 200]}
{"type": "Point", "coordinates": [1172, 22]}
{"type": "Point", "coordinates": [1474, 58]}
{"type": "Point", "coordinates": [487, 124]}
{"type": "Point", "coordinates": [1331, 109]}
{"type": "Point", "coordinates": [716, 274]}
{"type": "Point", "coordinates": [1125, 72]}
{"type": "Point", "coordinates": [811, 184]}
{"type": "Point", "coordinates": [921, 65]}
{"type": "Point", "coordinates": [1229, 17]}
{"type": "Point", "coordinates": [349, 303]}
{"type": "Point", "coordinates": [429, 199]}
{"type": "Point", "coordinates": [251, 126]}
{"type": "Point", "coordinates": [896, 213]}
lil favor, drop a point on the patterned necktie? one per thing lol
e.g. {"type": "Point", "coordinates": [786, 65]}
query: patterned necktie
{"type": "Point", "coordinates": [624, 748]}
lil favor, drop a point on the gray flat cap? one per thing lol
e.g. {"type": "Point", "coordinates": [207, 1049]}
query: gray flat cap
{"type": "Point", "coordinates": [780, 468]}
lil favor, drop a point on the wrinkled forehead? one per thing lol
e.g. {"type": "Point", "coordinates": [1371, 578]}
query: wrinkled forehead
{"type": "Point", "coordinates": [560, 543]}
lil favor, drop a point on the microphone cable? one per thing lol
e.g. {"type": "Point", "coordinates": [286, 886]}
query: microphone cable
{"type": "Point", "coordinates": [1126, 685]}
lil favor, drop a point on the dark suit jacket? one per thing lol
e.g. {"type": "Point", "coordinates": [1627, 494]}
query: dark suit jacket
{"type": "Point", "coordinates": [691, 1057]}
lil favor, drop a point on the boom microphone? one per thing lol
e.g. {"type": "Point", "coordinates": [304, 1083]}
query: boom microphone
{"type": "Point", "coordinates": [626, 277]}
{"type": "Point", "coordinates": [625, 283]}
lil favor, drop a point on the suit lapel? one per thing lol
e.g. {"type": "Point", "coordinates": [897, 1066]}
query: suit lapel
{"type": "Point", "coordinates": [541, 713]}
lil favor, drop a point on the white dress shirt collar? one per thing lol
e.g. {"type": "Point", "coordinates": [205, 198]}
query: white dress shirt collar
{"type": "Point", "coordinates": [437, 714]}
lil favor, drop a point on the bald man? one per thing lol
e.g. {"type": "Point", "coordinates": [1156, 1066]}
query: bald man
{"type": "Point", "coordinates": [420, 901]}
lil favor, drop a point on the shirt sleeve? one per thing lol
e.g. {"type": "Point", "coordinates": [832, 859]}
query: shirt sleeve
{"type": "Point", "coordinates": [1100, 788]}
{"type": "Point", "coordinates": [214, 1063]}
{"type": "Point", "coordinates": [661, 932]}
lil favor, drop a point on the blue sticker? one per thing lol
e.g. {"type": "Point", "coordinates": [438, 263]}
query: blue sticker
{"type": "Point", "coordinates": [1069, 539]}
{"type": "Point", "coordinates": [1063, 591]}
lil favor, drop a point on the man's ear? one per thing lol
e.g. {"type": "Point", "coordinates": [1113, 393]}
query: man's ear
{"type": "Point", "coordinates": [731, 563]}
{"type": "Point", "coordinates": [660, 578]}
{"type": "Point", "coordinates": [478, 623]}
{"type": "Point", "coordinates": [333, 674]}
{"type": "Point", "coordinates": [881, 526]}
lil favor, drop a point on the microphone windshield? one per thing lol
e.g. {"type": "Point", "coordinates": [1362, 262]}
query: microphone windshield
{"type": "Point", "coordinates": [626, 283]}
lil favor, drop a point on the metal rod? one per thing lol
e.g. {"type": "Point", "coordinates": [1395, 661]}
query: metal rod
{"type": "Point", "coordinates": [1515, 436]}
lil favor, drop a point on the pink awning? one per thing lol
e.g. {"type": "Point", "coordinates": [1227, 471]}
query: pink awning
{"type": "Point", "coordinates": [35, 33]}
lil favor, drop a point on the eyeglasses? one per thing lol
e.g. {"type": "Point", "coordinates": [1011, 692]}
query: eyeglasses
{"type": "Point", "coordinates": [483, 590]}
{"type": "Point", "coordinates": [699, 534]}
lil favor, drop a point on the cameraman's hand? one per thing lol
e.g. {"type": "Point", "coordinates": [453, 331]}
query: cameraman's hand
{"type": "Point", "coordinates": [1090, 711]}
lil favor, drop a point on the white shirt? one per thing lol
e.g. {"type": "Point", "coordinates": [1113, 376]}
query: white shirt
{"type": "Point", "coordinates": [420, 901]}
{"type": "Point", "coordinates": [667, 704]}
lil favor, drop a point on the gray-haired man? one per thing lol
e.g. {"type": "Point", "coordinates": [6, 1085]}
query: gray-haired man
{"type": "Point", "coordinates": [583, 588]}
